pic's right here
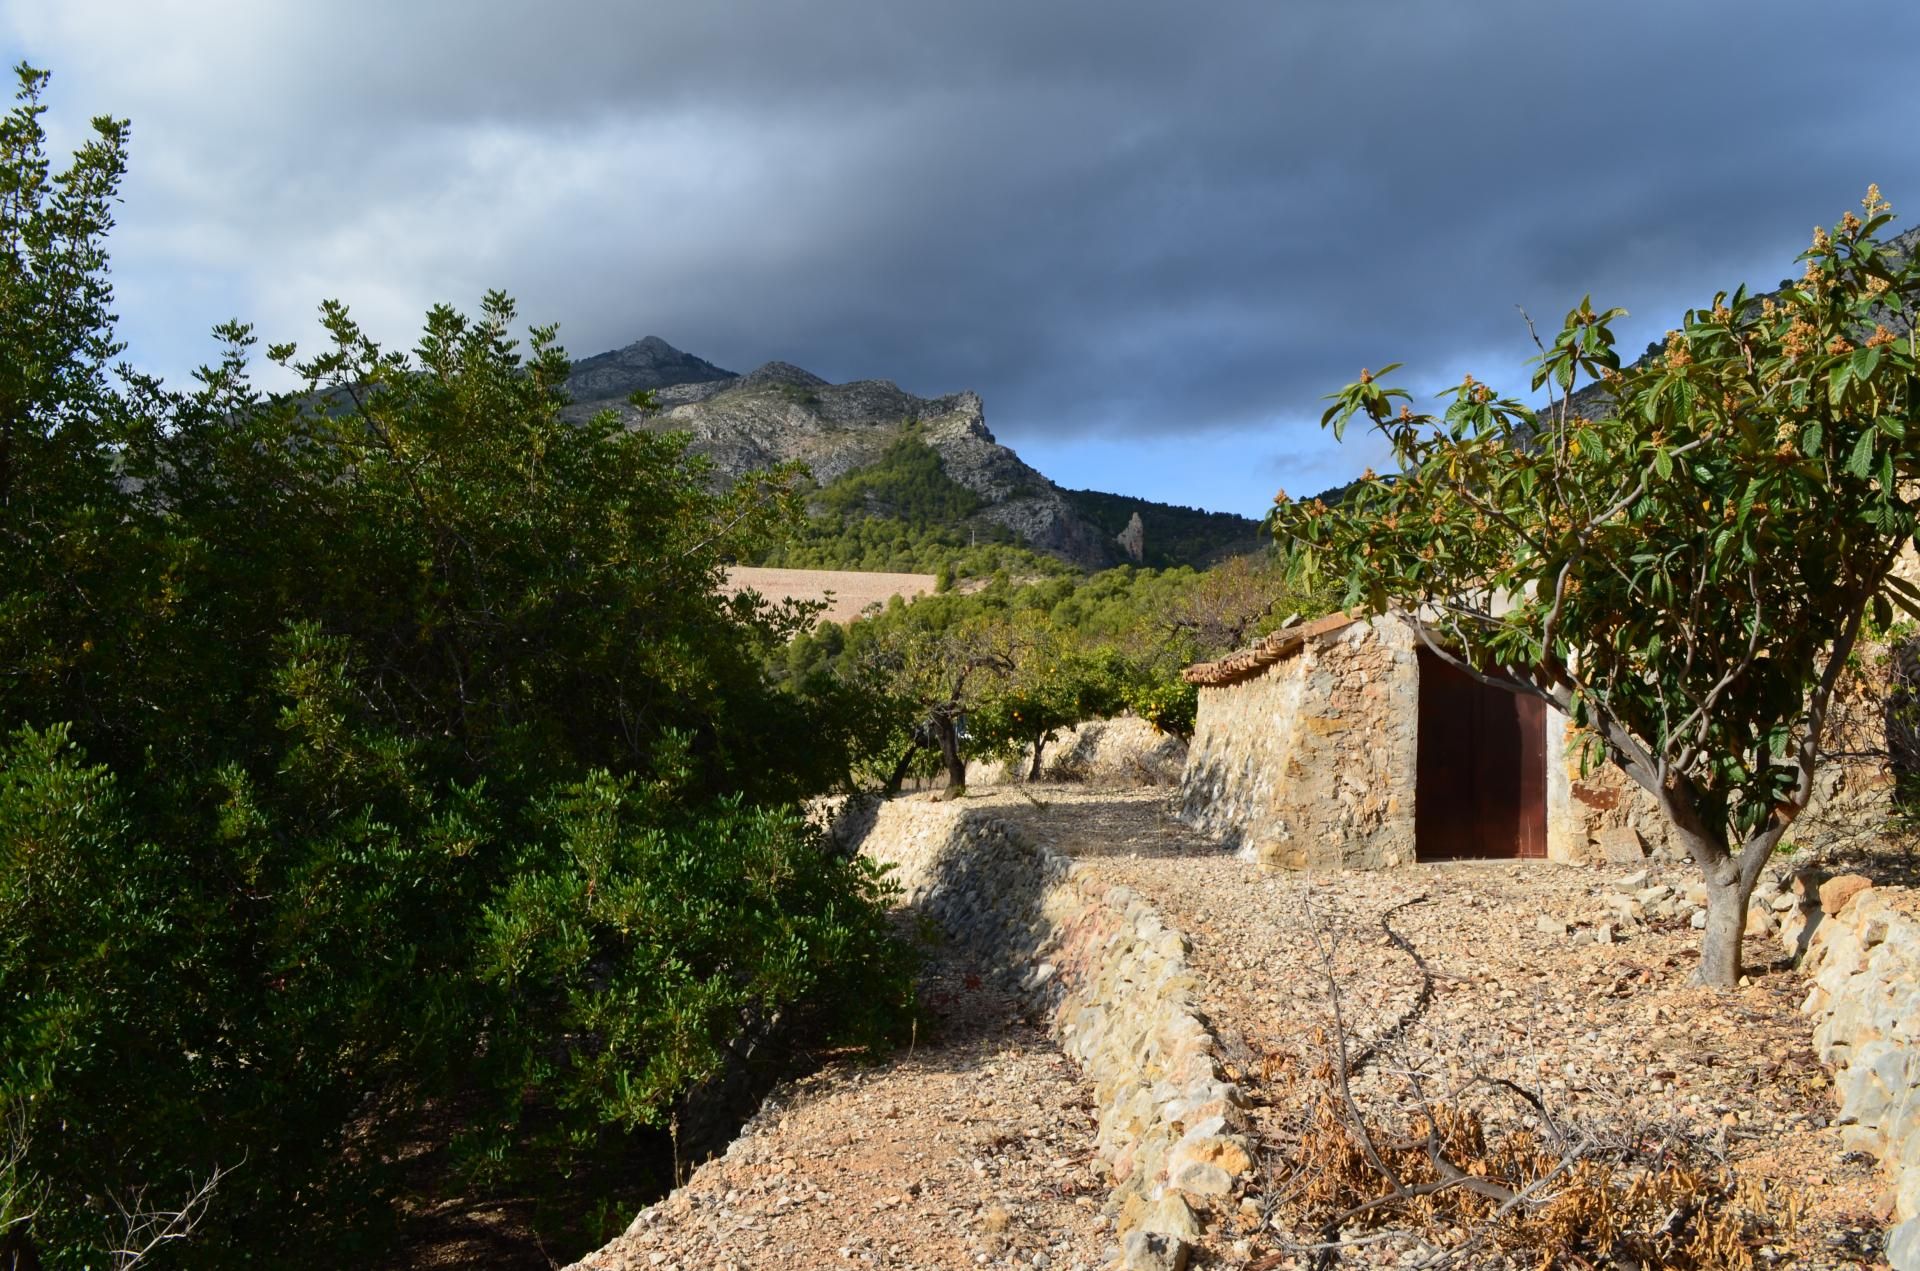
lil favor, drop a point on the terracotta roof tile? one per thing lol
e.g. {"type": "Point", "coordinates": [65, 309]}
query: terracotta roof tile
{"type": "Point", "coordinates": [1263, 653]}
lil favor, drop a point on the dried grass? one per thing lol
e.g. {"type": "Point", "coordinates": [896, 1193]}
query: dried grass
{"type": "Point", "coordinates": [1447, 1184]}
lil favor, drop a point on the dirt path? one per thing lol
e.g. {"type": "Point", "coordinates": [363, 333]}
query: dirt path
{"type": "Point", "coordinates": [975, 1150]}
{"type": "Point", "coordinates": [1609, 1034]}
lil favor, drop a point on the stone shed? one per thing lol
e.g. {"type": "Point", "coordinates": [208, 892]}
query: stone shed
{"type": "Point", "coordinates": [1344, 744]}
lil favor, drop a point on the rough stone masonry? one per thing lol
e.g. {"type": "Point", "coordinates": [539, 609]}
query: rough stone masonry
{"type": "Point", "coordinates": [1123, 1002]}
{"type": "Point", "coordinates": [1864, 957]}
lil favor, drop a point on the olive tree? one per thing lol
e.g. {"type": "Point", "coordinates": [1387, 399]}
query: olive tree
{"type": "Point", "coordinates": [1678, 554]}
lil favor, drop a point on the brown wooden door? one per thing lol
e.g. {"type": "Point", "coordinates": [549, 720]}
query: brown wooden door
{"type": "Point", "coordinates": [1482, 779]}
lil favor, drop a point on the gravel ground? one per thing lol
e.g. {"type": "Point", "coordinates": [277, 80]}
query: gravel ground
{"type": "Point", "coordinates": [1609, 1035]}
{"type": "Point", "coordinates": [974, 1150]}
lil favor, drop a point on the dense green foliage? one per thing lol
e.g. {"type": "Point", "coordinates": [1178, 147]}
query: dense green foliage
{"type": "Point", "coordinates": [1171, 535]}
{"type": "Point", "coordinates": [906, 483]}
{"type": "Point", "coordinates": [1024, 661]}
{"type": "Point", "coordinates": [376, 763]}
{"type": "Point", "coordinates": [1689, 568]}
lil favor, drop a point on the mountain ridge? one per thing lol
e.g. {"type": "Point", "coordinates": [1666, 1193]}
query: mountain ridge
{"type": "Point", "coordinates": [780, 412]}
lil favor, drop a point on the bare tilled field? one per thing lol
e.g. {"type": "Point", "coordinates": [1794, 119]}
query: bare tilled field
{"type": "Point", "coordinates": [848, 592]}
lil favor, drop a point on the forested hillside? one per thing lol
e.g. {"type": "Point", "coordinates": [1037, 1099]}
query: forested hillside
{"type": "Point", "coordinates": [1173, 535]}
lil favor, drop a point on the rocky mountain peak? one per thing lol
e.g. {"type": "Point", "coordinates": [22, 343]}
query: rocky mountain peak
{"type": "Point", "coordinates": [646, 364]}
{"type": "Point", "coordinates": [780, 411]}
{"type": "Point", "coordinates": [781, 373]}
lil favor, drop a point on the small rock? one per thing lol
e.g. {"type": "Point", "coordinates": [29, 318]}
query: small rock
{"type": "Point", "coordinates": [1783, 902]}
{"type": "Point", "coordinates": [1699, 920]}
{"type": "Point", "coordinates": [1621, 845]}
{"type": "Point", "coordinates": [1203, 1179]}
{"type": "Point", "coordinates": [1634, 881]}
{"type": "Point", "coordinates": [1171, 1215]}
{"type": "Point", "coordinates": [1154, 1251]}
{"type": "Point", "coordinates": [1549, 926]}
{"type": "Point", "coordinates": [1837, 892]}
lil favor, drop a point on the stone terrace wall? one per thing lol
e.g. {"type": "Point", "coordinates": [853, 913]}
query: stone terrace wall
{"type": "Point", "coordinates": [1122, 999]}
{"type": "Point", "coordinates": [1312, 764]}
{"type": "Point", "coordinates": [1864, 957]}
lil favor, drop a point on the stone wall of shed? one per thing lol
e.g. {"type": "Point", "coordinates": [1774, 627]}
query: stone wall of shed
{"type": "Point", "coordinates": [1311, 764]}
{"type": "Point", "coordinates": [1604, 816]}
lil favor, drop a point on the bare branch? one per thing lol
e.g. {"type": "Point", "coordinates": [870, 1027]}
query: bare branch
{"type": "Point", "coordinates": [149, 1229]}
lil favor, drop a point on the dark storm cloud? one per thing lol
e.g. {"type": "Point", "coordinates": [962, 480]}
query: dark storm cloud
{"type": "Point", "coordinates": [1129, 219]}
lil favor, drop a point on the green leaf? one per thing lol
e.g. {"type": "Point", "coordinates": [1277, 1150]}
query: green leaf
{"type": "Point", "coordinates": [1902, 593]}
{"type": "Point", "coordinates": [1864, 361]}
{"type": "Point", "coordinates": [1663, 464]}
{"type": "Point", "coordinates": [1861, 461]}
{"type": "Point", "coordinates": [1810, 438]}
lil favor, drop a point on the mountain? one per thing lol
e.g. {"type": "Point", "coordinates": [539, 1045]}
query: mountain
{"type": "Point", "coordinates": [781, 412]}
{"type": "Point", "coordinates": [644, 365]}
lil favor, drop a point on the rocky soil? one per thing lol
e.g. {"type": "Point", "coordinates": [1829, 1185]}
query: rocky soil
{"type": "Point", "coordinates": [975, 1149]}
{"type": "Point", "coordinates": [1569, 982]}
{"type": "Point", "coordinates": [1522, 987]}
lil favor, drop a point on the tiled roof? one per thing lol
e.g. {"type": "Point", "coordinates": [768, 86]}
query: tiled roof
{"type": "Point", "coordinates": [1256, 658]}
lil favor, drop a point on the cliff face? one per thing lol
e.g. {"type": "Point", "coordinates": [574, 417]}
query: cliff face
{"type": "Point", "coordinates": [780, 412]}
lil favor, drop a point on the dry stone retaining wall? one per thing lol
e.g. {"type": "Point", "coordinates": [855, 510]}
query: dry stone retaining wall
{"type": "Point", "coordinates": [1864, 957]}
{"type": "Point", "coordinates": [1122, 1000]}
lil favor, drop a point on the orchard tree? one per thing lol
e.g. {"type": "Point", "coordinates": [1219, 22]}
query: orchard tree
{"type": "Point", "coordinates": [1679, 558]}
{"type": "Point", "coordinates": [380, 765]}
{"type": "Point", "coordinates": [1054, 680]}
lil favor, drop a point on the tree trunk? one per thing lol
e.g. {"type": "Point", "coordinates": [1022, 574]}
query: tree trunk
{"type": "Point", "coordinates": [943, 728]}
{"type": "Point", "coordinates": [1033, 773]}
{"type": "Point", "coordinates": [1729, 878]}
{"type": "Point", "coordinates": [1727, 897]}
{"type": "Point", "coordinates": [1730, 881]}
{"type": "Point", "coordinates": [900, 769]}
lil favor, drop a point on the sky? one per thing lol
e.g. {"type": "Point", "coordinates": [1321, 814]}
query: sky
{"type": "Point", "coordinates": [1152, 236]}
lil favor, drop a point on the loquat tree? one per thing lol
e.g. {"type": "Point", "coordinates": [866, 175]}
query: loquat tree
{"type": "Point", "coordinates": [1680, 561]}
